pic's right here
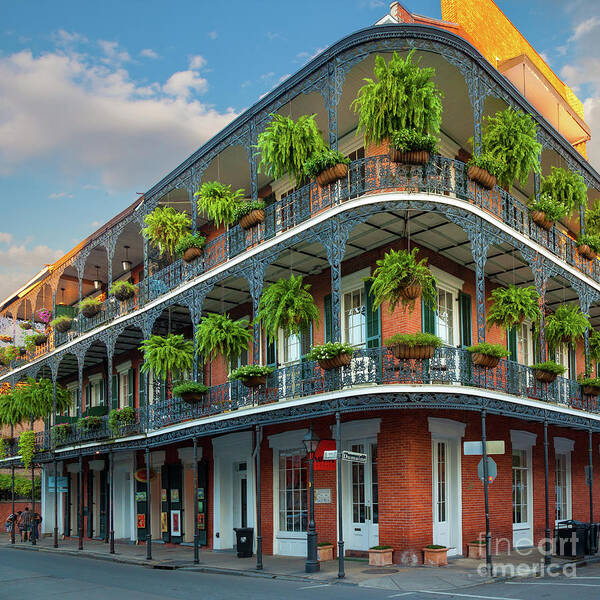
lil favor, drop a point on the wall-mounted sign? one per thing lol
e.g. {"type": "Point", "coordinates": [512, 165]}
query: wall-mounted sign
{"type": "Point", "coordinates": [174, 495]}
{"type": "Point", "coordinates": [175, 523]}
{"type": "Point", "coordinates": [321, 463]}
{"type": "Point", "coordinates": [163, 495]}
{"type": "Point", "coordinates": [491, 447]}
{"type": "Point", "coordinates": [140, 474]}
{"type": "Point", "coordinates": [164, 522]}
{"type": "Point", "coordinates": [141, 521]}
{"type": "Point", "coordinates": [322, 495]}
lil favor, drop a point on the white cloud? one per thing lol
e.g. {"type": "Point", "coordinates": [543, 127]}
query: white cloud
{"type": "Point", "coordinates": [112, 54]}
{"type": "Point", "coordinates": [213, 35]}
{"type": "Point", "coordinates": [584, 27]}
{"type": "Point", "coordinates": [57, 195]}
{"type": "Point", "coordinates": [90, 117]}
{"type": "Point", "coordinates": [148, 53]}
{"type": "Point", "coordinates": [197, 62]}
{"type": "Point", "coordinates": [5, 238]}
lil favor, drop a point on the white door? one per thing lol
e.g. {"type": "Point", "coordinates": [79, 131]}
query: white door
{"type": "Point", "coordinates": [446, 496]}
{"type": "Point", "coordinates": [522, 499]}
{"type": "Point", "coordinates": [361, 498]}
{"type": "Point", "coordinates": [240, 495]}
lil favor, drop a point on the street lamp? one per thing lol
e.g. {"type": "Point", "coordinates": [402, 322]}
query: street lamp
{"type": "Point", "coordinates": [311, 442]}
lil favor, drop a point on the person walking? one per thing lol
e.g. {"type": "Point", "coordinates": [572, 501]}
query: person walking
{"type": "Point", "coordinates": [26, 520]}
{"type": "Point", "coordinates": [10, 523]}
{"type": "Point", "coordinates": [36, 521]}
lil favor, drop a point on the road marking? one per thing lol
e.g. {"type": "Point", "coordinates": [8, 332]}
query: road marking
{"type": "Point", "coordinates": [402, 594]}
{"type": "Point", "coordinates": [312, 587]}
{"type": "Point", "coordinates": [466, 595]}
{"type": "Point", "coordinates": [555, 583]}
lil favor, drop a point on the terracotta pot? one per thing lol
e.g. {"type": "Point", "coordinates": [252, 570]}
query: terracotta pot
{"type": "Point", "coordinates": [482, 177]}
{"type": "Point", "coordinates": [255, 381]}
{"type": "Point", "coordinates": [192, 397]}
{"type": "Point", "coordinates": [325, 552]}
{"type": "Point", "coordinates": [591, 390]}
{"type": "Point", "coordinates": [332, 174]}
{"type": "Point", "coordinates": [485, 360]}
{"type": "Point", "coordinates": [124, 295]}
{"type": "Point", "coordinates": [435, 557]}
{"type": "Point", "coordinates": [414, 157]}
{"type": "Point", "coordinates": [404, 352]}
{"type": "Point", "coordinates": [64, 326]}
{"type": "Point", "coordinates": [476, 550]}
{"type": "Point", "coordinates": [341, 360]}
{"type": "Point", "coordinates": [253, 218]}
{"type": "Point", "coordinates": [539, 218]}
{"type": "Point", "coordinates": [380, 558]}
{"type": "Point", "coordinates": [544, 376]}
{"type": "Point", "coordinates": [585, 251]}
{"type": "Point", "coordinates": [90, 311]}
{"type": "Point", "coordinates": [192, 254]}
{"type": "Point", "coordinates": [410, 292]}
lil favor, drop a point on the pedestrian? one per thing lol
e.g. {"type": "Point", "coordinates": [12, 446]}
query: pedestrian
{"type": "Point", "coordinates": [10, 524]}
{"type": "Point", "coordinates": [36, 521]}
{"type": "Point", "coordinates": [26, 519]}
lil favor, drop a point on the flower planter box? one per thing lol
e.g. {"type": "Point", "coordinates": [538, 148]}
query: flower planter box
{"type": "Point", "coordinates": [482, 177]}
{"type": "Point", "coordinates": [485, 360]}
{"type": "Point", "coordinates": [544, 376]}
{"type": "Point", "coordinates": [255, 381]}
{"type": "Point", "coordinates": [192, 397]}
{"type": "Point", "coordinates": [476, 550]}
{"type": "Point", "coordinates": [405, 352]}
{"type": "Point", "coordinates": [192, 254]}
{"type": "Point", "coordinates": [6, 338]}
{"type": "Point", "coordinates": [380, 558]}
{"type": "Point", "coordinates": [124, 295]}
{"type": "Point", "coordinates": [341, 360]}
{"type": "Point", "coordinates": [90, 311]}
{"type": "Point", "coordinates": [585, 251]}
{"type": "Point", "coordinates": [539, 218]}
{"type": "Point", "coordinates": [414, 157]}
{"type": "Point", "coordinates": [435, 557]}
{"type": "Point", "coordinates": [253, 218]}
{"type": "Point", "coordinates": [332, 174]}
{"type": "Point", "coordinates": [590, 390]}
{"type": "Point", "coordinates": [41, 340]}
{"type": "Point", "coordinates": [325, 552]}
{"type": "Point", "coordinates": [64, 326]}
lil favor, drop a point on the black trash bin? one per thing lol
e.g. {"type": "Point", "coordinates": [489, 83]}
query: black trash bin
{"type": "Point", "coordinates": [571, 538]}
{"type": "Point", "coordinates": [591, 546]}
{"type": "Point", "coordinates": [245, 541]}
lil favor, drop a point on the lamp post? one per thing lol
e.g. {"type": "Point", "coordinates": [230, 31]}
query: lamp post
{"type": "Point", "coordinates": [311, 441]}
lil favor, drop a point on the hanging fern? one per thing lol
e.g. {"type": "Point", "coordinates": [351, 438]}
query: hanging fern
{"type": "Point", "coordinates": [218, 202]}
{"type": "Point", "coordinates": [27, 447]}
{"type": "Point", "coordinates": [566, 325]}
{"type": "Point", "coordinates": [287, 305]}
{"type": "Point", "coordinates": [285, 146]}
{"type": "Point", "coordinates": [219, 334]}
{"type": "Point", "coordinates": [592, 218]}
{"type": "Point", "coordinates": [510, 137]}
{"type": "Point", "coordinates": [397, 270]}
{"type": "Point", "coordinates": [566, 188]}
{"type": "Point", "coordinates": [595, 344]}
{"type": "Point", "coordinates": [170, 354]}
{"type": "Point", "coordinates": [164, 227]}
{"type": "Point", "coordinates": [511, 305]}
{"type": "Point", "coordinates": [401, 96]}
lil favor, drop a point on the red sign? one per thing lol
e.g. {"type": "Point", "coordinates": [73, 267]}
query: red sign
{"type": "Point", "coordinates": [324, 465]}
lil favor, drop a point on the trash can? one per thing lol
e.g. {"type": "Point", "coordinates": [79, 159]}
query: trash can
{"type": "Point", "coordinates": [571, 538]}
{"type": "Point", "coordinates": [591, 546]}
{"type": "Point", "coordinates": [245, 541]}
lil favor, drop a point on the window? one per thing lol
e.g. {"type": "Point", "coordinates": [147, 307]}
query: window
{"type": "Point", "coordinates": [524, 344]}
{"type": "Point", "coordinates": [562, 487]}
{"type": "Point", "coordinates": [441, 499]}
{"type": "Point", "coordinates": [354, 317]}
{"type": "Point", "coordinates": [293, 488]}
{"type": "Point", "coordinates": [520, 487]}
{"type": "Point", "coordinates": [565, 356]}
{"type": "Point", "coordinates": [358, 487]}
{"type": "Point", "coordinates": [123, 389]}
{"type": "Point", "coordinates": [291, 348]}
{"type": "Point", "coordinates": [446, 316]}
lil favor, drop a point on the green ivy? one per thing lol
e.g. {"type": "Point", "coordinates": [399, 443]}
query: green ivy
{"type": "Point", "coordinates": [567, 324]}
{"type": "Point", "coordinates": [169, 354]}
{"type": "Point", "coordinates": [219, 334]}
{"type": "Point", "coordinates": [27, 447]}
{"type": "Point", "coordinates": [22, 485]}
{"type": "Point", "coordinates": [164, 228]}
{"type": "Point", "coordinates": [513, 304]}
{"type": "Point", "coordinates": [217, 202]}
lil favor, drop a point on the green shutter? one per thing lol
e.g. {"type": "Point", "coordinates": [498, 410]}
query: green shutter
{"type": "Point", "coordinates": [373, 319]}
{"type": "Point", "coordinates": [163, 390]}
{"type": "Point", "coordinates": [511, 344]}
{"type": "Point", "coordinates": [327, 317]}
{"type": "Point", "coordinates": [141, 388]}
{"type": "Point", "coordinates": [466, 326]}
{"type": "Point", "coordinates": [572, 362]}
{"type": "Point", "coordinates": [428, 321]}
{"type": "Point", "coordinates": [115, 391]}
{"type": "Point", "coordinates": [271, 354]}
{"type": "Point", "coordinates": [537, 354]}
{"type": "Point", "coordinates": [130, 388]}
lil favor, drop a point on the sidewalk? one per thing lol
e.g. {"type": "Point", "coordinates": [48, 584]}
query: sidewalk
{"type": "Point", "coordinates": [460, 573]}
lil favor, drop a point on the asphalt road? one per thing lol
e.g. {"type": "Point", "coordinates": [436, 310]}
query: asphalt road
{"type": "Point", "coordinates": [36, 575]}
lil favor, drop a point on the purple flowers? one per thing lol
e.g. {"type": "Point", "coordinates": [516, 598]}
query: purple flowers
{"type": "Point", "coordinates": [44, 315]}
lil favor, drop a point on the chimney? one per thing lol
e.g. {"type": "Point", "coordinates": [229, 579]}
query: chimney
{"type": "Point", "coordinates": [398, 12]}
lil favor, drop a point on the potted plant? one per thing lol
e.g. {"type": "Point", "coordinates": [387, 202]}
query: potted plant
{"type": "Point", "coordinates": [36, 339]}
{"type": "Point", "coordinates": [331, 355]}
{"type": "Point", "coordinates": [380, 556]}
{"type": "Point", "coordinates": [590, 386]}
{"type": "Point", "coordinates": [118, 417]}
{"type": "Point", "coordinates": [476, 549]}
{"type": "Point", "coordinates": [91, 423]}
{"type": "Point", "coordinates": [401, 96]}
{"type": "Point", "coordinates": [487, 355]}
{"type": "Point", "coordinates": [417, 346]}
{"type": "Point", "coordinates": [398, 277]}
{"type": "Point", "coordinates": [62, 323]}
{"type": "Point", "coordinates": [21, 351]}
{"type": "Point", "coordinates": [546, 210]}
{"type": "Point", "coordinates": [167, 354]}
{"type": "Point", "coordinates": [90, 307]}
{"type": "Point", "coordinates": [7, 355]}
{"type": "Point", "coordinates": [567, 325]}
{"type": "Point", "coordinates": [44, 315]}
{"type": "Point", "coordinates": [324, 551]}
{"type": "Point", "coordinates": [285, 145]}
{"type": "Point", "coordinates": [190, 246]}
{"type": "Point", "coordinates": [287, 305]}
{"type": "Point", "coordinates": [252, 375]}
{"type": "Point", "coordinates": [190, 391]}
{"type": "Point", "coordinates": [483, 169]}
{"type": "Point", "coordinates": [27, 447]}
{"type": "Point", "coordinates": [326, 166]}
{"type": "Point", "coordinates": [510, 136]}
{"type": "Point", "coordinates": [60, 433]}
{"type": "Point", "coordinates": [411, 147]}
{"type": "Point", "coordinates": [565, 187]}
{"type": "Point", "coordinates": [25, 325]}
{"type": "Point", "coordinates": [165, 226]}
{"type": "Point", "coordinates": [588, 245]}
{"type": "Point", "coordinates": [249, 213]}
{"type": "Point", "coordinates": [435, 555]}
{"type": "Point", "coordinates": [122, 290]}
{"type": "Point", "coordinates": [219, 334]}
{"type": "Point", "coordinates": [217, 202]}
{"type": "Point", "coordinates": [512, 305]}
{"type": "Point", "coordinates": [547, 372]}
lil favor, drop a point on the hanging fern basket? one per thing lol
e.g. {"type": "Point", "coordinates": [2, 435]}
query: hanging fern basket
{"type": "Point", "coordinates": [410, 292]}
{"type": "Point", "coordinates": [585, 251]}
{"type": "Point", "coordinates": [341, 360]}
{"type": "Point", "coordinates": [253, 218]}
{"type": "Point", "coordinates": [124, 294]}
{"type": "Point", "coordinates": [544, 376]}
{"type": "Point", "coordinates": [64, 325]}
{"type": "Point", "coordinates": [406, 352]}
{"type": "Point", "coordinates": [332, 174]}
{"type": "Point", "coordinates": [412, 157]}
{"type": "Point", "coordinates": [254, 381]}
{"type": "Point", "coordinates": [192, 254]}
{"type": "Point", "coordinates": [590, 390]}
{"type": "Point", "coordinates": [481, 177]}
{"type": "Point", "coordinates": [541, 220]}
{"type": "Point", "coordinates": [90, 311]}
{"type": "Point", "coordinates": [485, 360]}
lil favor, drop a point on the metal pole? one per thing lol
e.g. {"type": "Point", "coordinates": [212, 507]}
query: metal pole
{"type": "Point", "coordinates": [546, 497]}
{"type": "Point", "coordinates": [14, 522]}
{"type": "Point", "coordinates": [259, 563]}
{"type": "Point", "coordinates": [80, 502]}
{"type": "Point", "coordinates": [112, 503]}
{"type": "Point", "coordinates": [55, 503]}
{"type": "Point", "coordinates": [148, 510]}
{"type": "Point", "coordinates": [312, 564]}
{"type": "Point", "coordinates": [31, 538]}
{"type": "Point", "coordinates": [590, 454]}
{"type": "Point", "coordinates": [488, 555]}
{"type": "Point", "coordinates": [338, 447]}
{"type": "Point", "coordinates": [196, 553]}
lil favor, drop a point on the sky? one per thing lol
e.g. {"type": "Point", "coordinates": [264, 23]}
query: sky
{"type": "Point", "coordinates": [100, 100]}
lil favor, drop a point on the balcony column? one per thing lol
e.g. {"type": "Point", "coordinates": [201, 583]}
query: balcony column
{"type": "Point", "coordinates": [334, 240]}
{"type": "Point", "coordinates": [253, 161]}
{"type": "Point", "coordinates": [332, 98]}
{"type": "Point", "coordinates": [80, 386]}
{"type": "Point", "coordinates": [479, 249]}
{"type": "Point", "coordinates": [255, 273]}
{"type": "Point", "coordinates": [53, 421]}
{"type": "Point", "coordinates": [109, 372]}
{"type": "Point", "coordinates": [194, 210]}
{"type": "Point", "coordinates": [540, 279]}
{"type": "Point", "coordinates": [80, 265]}
{"type": "Point", "coordinates": [477, 97]}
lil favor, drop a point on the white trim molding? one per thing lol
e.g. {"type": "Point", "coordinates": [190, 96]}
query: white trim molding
{"type": "Point", "coordinates": [445, 279]}
{"type": "Point", "coordinates": [186, 455]}
{"type": "Point", "coordinates": [288, 440]}
{"type": "Point", "coordinates": [361, 428]}
{"type": "Point", "coordinates": [446, 428]}
{"type": "Point", "coordinates": [522, 440]}
{"type": "Point", "coordinates": [563, 445]}
{"type": "Point", "coordinates": [123, 367]}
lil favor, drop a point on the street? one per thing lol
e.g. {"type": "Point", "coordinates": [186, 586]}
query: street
{"type": "Point", "coordinates": [32, 575]}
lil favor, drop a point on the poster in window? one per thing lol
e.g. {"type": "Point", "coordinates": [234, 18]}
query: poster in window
{"type": "Point", "coordinates": [140, 496]}
{"type": "Point", "coordinates": [164, 522]}
{"type": "Point", "coordinates": [201, 521]}
{"type": "Point", "coordinates": [175, 523]}
{"type": "Point", "coordinates": [141, 521]}
{"type": "Point", "coordinates": [163, 495]}
{"type": "Point", "coordinates": [174, 495]}
{"type": "Point", "coordinates": [200, 493]}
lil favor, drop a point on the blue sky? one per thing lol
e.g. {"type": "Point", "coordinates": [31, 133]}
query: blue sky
{"type": "Point", "coordinates": [98, 100]}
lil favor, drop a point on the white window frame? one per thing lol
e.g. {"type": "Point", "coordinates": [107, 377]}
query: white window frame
{"type": "Point", "coordinates": [94, 381]}
{"type": "Point", "coordinates": [72, 388]}
{"type": "Point", "coordinates": [123, 383]}
{"type": "Point", "coordinates": [524, 440]}
{"type": "Point", "coordinates": [453, 285]}
{"type": "Point", "coordinates": [352, 283]}
{"type": "Point", "coordinates": [530, 358]}
{"type": "Point", "coordinates": [564, 447]}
